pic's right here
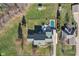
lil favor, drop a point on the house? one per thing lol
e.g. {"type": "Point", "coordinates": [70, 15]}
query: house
{"type": "Point", "coordinates": [75, 7]}
{"type": "Point", "coordinates": [75, 12]}
{"type": "Point", "coordinates": [41, 35]}
{"type": "Point", "coordinates": [68, 35]}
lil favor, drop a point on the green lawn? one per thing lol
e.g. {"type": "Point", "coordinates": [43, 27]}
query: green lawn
{"type": "Point", "coordinates": [66, 8]}
{"type": "Point", "coordinates": [7, 44]}
{"type": "Point", "coordinates": [48, 12]}
{"type": "Point", "coordinates": [8, 39]}
{"type": "Point", "coordinates": [68, 50]}
{"type": "Point", "coordinates": [34, 17]}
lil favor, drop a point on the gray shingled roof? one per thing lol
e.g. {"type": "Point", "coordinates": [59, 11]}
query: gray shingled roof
{"type": "Point", "coordinates": [37, 35]}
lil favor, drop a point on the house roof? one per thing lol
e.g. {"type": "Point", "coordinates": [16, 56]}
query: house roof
{"type": "Point", "coordinates": [48, 34]}
{"type": "Point", "coordinates": [75, 7]}
{"type": "Point", "coordinates": [30, 33]}
{"type": "Point", "coordinates": [48, 29]}
{"type": "Point", "coordinates": [68, 30]}
{"type": "Point", "coordinates": [39, 34]}
{"type": "Point", "coordinates": [74, 4]}
{"type": "Point", "coordinates": [38, 29]}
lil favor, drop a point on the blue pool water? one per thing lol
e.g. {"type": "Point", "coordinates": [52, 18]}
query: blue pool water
{"type": "Point", "coordinates": [52, 23]}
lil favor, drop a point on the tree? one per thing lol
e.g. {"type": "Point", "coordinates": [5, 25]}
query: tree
{"type": "Point", "coordinates": [58, 14]}
{"type": "Point", "coordinates": [20, 34]}
{"type": "Point", "coordinates": [23, 21]}
{"type": "Point", "coordinates": [66, 17]}
{"type": "Point", "coordinates": [58, 19]}
{"type": "Point", "coordinates": [59, 4]}
{"type": "Point", "coordinates": [40, 5]}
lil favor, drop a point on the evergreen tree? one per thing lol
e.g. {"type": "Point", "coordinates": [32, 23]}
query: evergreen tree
{"type": "Point", "coordinates": [40, 5]}
{"type": "Point", "coordinates": [58, 14]}
{"type": "Point", "coordinates": [59, 4]}
{"type": "Point", "coordinates": [23, 21]}
{"type": "Point", "coordinates": [20, 35]}
{"type": "Point", "coordinates": [66, 17]}
{"type": "Point", "coordinates": [58, 19]}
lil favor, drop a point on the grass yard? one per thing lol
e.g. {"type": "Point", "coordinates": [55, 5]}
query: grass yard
{"type": "Point", "coordinates": [8, 38]}
{"type": "Point", "coordinates": [66, 8]}
{"type": "Point", "coordinates": [49, 11]}
{"type": "Point", "coordinates": [68, 50]}
{"type": "Point", "coordinates": [34, 17]}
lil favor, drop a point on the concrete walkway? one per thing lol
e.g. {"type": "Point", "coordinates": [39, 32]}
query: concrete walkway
{"type": "Point", "coordinates": [76, 18]}
{"type": "Point", "coordinates": [77, 47]}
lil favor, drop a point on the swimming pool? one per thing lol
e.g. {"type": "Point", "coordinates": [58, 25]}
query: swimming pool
{"type": "Point", "coordinates": [52, 23]}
